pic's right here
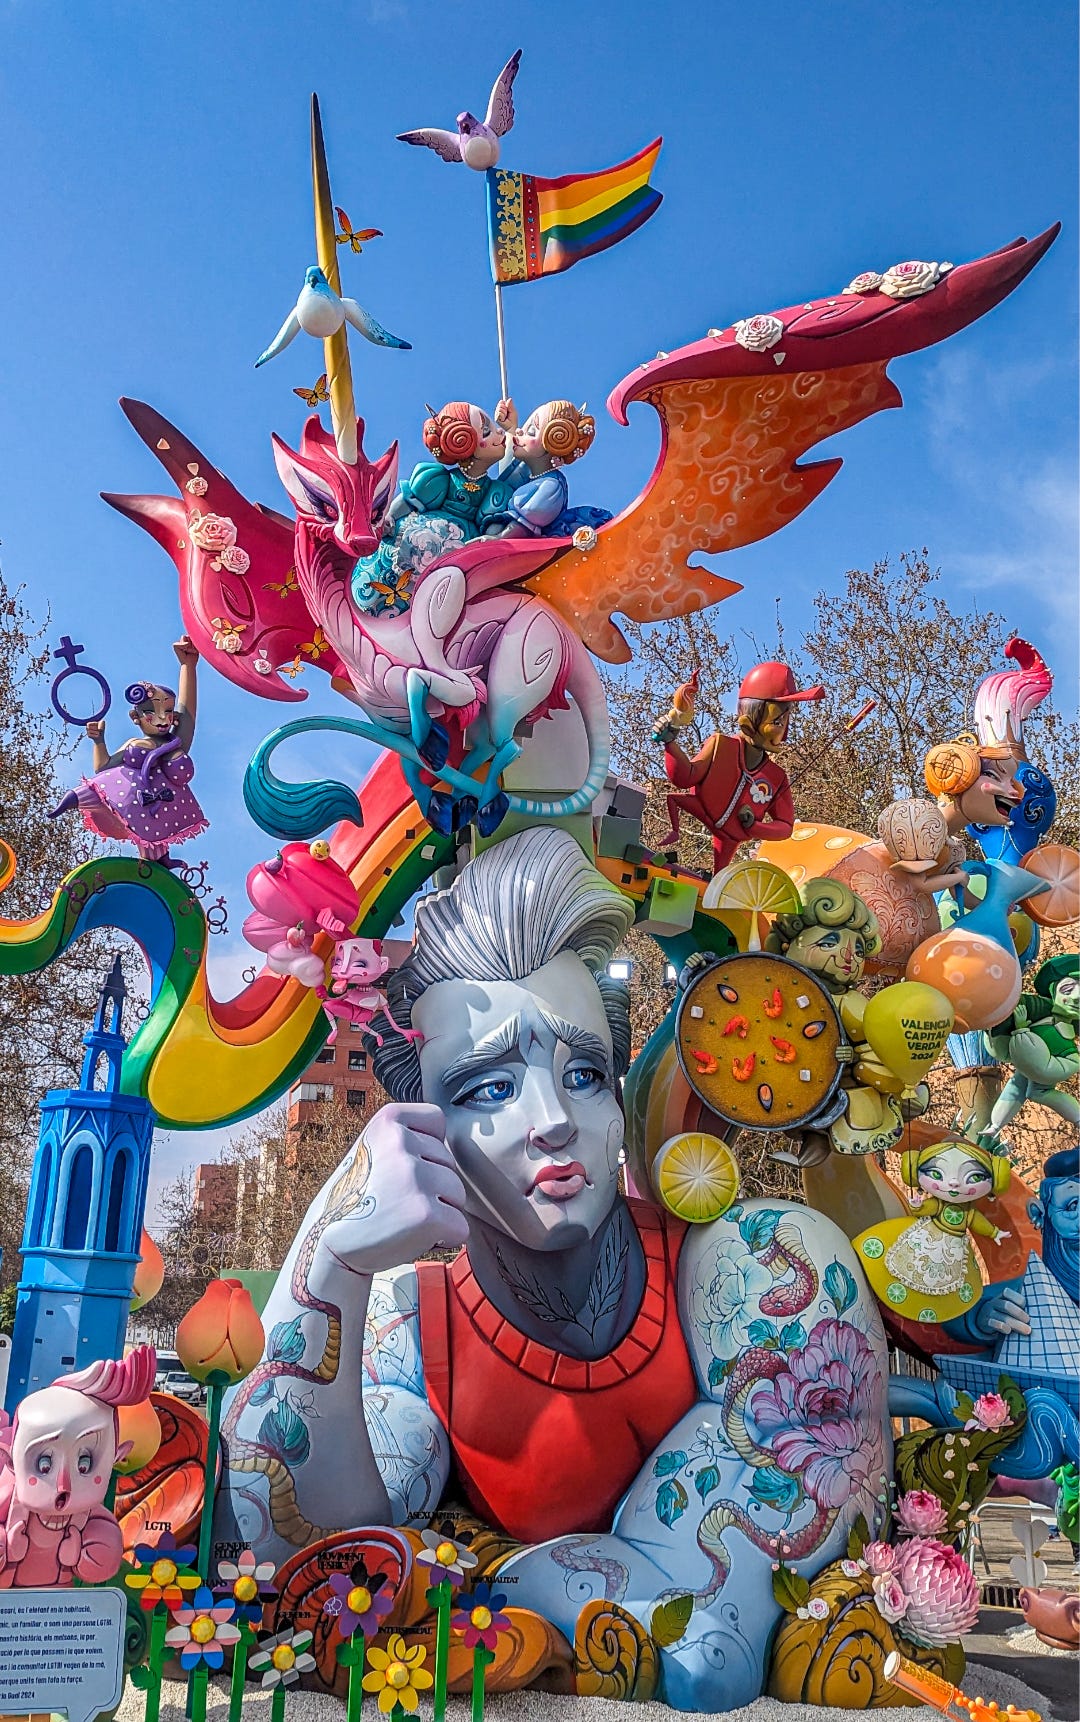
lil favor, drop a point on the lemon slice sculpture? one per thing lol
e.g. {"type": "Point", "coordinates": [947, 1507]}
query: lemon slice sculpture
{"type": "Point", "coordinates": [756, 892]}
{"type": "Point", "coordinates": [696, 1176]}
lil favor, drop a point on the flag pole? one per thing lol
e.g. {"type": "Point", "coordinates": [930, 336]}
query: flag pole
{"type": "Point", "coordinates": [501, 327]}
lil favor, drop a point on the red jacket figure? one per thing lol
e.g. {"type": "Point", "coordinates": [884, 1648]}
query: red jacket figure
{"type": "Point", "coordinates": [735, 789]}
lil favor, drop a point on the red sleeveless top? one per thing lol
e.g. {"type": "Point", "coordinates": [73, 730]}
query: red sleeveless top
{"type": "Point", "coordinates": [546, 1444]}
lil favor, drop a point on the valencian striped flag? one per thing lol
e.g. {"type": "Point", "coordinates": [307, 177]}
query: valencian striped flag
{"type": "Point", "coordinates": [541, 226]}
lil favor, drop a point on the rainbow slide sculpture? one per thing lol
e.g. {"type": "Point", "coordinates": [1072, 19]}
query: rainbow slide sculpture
{"type": "Point", "coordinates": [197, 1060]}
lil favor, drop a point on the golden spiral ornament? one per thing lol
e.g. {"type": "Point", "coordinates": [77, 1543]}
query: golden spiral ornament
{"type": "Point", "coordinates": [614, 1657]}
{"type": "Point", "coordinates": [457, 439]}
{"type": "Point", "coordinates": [840, 1660]}
{"type": "Point", "coordinates": [951, 767]}
{"type": "Point", "coordinates": [560, 436]}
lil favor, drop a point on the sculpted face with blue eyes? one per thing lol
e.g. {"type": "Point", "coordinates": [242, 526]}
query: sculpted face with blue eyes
{"type": "Point", "coordinates": [523, 1072]}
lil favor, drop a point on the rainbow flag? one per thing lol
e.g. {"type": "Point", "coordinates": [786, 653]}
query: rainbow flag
{"type": "Point", "coordinates": [541, 226]}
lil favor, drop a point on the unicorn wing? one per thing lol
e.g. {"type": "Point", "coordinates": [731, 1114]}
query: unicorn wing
{"type": "Point", "coordinates": [238, 592]}
{"type": "Point", "coordinates": [736, 411]}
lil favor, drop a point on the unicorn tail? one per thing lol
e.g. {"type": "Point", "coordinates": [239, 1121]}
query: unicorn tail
{"type": "Point", "coordinates": [297, 811]}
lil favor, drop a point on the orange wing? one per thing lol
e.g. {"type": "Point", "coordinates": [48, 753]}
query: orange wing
{"type": "Point", "coordinates": [737, 410]}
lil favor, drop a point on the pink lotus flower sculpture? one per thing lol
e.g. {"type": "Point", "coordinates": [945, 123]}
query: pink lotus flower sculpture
{"type": "Point", "coordinates": [919, 1513]}
{"type": "Point", "coordinates": [942, 1592]}
{"type": "Point", "coordinates": [989, 1412]}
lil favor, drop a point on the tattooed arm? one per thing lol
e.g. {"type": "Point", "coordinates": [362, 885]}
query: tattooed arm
{"type": "Point", "coordinates": [331, 1430]}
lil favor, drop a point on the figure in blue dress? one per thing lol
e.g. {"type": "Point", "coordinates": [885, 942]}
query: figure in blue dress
{"type": "Point", "coordinates": [443, 503]}
{"type": "Point", "coordinates": [552, 437]}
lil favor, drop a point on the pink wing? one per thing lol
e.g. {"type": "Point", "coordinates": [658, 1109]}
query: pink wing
{"type": "Point", "coordinates": [443, 143]}
{"type": "Point", "coordinates": [500, 113]}
{"type": "Point", "coordinates": [240, 603]}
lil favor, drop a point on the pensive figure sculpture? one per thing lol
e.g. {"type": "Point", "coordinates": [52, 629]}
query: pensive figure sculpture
{"type": "Point", "coordinates": [636, 1405]}
{"type": "Point", "coordinates": [56, 1463]}
{"type": "Point", "coordinates": [734, 786]}
{"type": "Point", "coordinates": [143, 794]}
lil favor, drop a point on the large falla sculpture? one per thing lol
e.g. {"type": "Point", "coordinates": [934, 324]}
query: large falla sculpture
{"type": "Point", "coordinates": [644, 1413]}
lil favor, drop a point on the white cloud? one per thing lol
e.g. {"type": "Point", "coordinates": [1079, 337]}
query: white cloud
{"type": "Point", "coordinates": [1019, 516]}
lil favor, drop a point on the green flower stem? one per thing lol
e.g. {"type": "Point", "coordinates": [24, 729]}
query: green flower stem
{"type": "Point", "coordinates": [441, 1596]}
{"type": "Point", "coordinates": [277, 1704]}
{"type": "Point", "coordinates": [216, 1384]}
{"type": "Point", "coordinates": [199, 1678]}
{"type": "Point", "coordinates": [159, 1625]}
{"type": "Point", "coordinates": [239, 1670]}
{"type": "Point", "coordinates": [356, 1676]}
{"type": "Point", "coordinates": [481, 1657]}
{"type": "Point", "coordinates": [110, 1494]}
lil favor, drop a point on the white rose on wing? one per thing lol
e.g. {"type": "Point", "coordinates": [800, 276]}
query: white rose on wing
{"type": "Point", "coordinates": [909, 280]}
{"type": "Point", "coordinates": [758, 334]}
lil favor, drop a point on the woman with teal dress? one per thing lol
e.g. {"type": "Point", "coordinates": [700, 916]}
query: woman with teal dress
{"type": "Point", "coordinates": [443, 503]}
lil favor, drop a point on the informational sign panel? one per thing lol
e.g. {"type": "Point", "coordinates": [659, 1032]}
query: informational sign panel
{"type": "Point", "coordinates": [61, 1650]}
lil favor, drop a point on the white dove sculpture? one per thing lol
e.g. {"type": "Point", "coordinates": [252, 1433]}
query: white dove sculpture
{"type": "Point", "coordinates": [476, 142]}
{"type": "Point", "coordinates": [319, 311]}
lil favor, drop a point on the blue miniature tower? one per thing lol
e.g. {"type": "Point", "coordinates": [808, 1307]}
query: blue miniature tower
{"type": "Point", "coordinates": [84, 1215]}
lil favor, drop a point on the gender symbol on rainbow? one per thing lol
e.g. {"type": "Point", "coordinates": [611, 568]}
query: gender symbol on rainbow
{"type": "Point", "coordinates": [634, 1439]}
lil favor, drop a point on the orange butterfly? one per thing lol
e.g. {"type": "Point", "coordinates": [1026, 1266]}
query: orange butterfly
{"type": "Point", "coordinates": [354, 238]}
{"type": "Point", "coordinates": [312, 397]}
{"type": "Point", "coordinates": [316, 647]}
{"type": "Point", "coordinates": [282, 587]}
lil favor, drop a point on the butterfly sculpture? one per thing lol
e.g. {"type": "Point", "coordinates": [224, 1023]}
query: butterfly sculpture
{"type": "Point", "coordinates": [316, 395]}
{"type": "Point", "coordinates": [354, 238]}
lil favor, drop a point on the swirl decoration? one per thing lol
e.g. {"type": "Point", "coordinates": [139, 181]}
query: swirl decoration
{"type": "Point", "coordinates": [828, 903]}
{"type": "Point", "coordinates": [840, 1661]}
{"type": "Point", "coordinates": [614, 1657]}
{"type": "Point", "coordinates": [451, 435]}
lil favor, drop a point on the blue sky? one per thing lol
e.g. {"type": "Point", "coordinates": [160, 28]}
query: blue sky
{"type": "Point", "coordinates": [157, 226]}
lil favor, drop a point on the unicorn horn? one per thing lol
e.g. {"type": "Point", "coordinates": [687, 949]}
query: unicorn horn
{"type": "Point", "coordinates": [335, 347]}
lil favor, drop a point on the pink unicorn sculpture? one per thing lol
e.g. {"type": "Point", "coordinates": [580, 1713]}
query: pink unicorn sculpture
{"type": "Point", "coordinates": [57, 1459]}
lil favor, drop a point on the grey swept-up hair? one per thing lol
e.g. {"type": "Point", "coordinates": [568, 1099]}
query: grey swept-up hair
{"type": "Point", "coordinates": [509, 911]}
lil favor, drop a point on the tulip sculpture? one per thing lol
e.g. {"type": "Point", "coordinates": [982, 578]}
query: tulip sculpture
{"type": "Point", "coordinates": [219, 1341]}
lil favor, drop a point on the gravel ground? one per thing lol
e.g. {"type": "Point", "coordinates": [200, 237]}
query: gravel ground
{"type": "Point", "coordinates": [546, 1707]}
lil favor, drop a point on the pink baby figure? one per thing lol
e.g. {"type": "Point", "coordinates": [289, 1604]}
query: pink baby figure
{"type": "Point", "coordinates": [301, 892]}
{"type": "Point", "coordinates": [352, 994]}
{"type": "Point", "coordinates": [56, 1462]}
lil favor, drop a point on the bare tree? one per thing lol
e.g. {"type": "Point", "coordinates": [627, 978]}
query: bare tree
{"type": "Point", "coordinates": [889, 635]}
{"type": "Point", "coordinates": [42, 1015]}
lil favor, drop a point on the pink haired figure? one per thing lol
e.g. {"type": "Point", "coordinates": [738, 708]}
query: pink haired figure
{"type": "Point", "coordinates": [352, 994]}
{"type": "Point", "coordinates": [301, 892]}
{"type": "Point", "coordinates": [56, 1462]}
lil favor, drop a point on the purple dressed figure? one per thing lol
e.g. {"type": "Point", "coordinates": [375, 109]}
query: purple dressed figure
{"type": "Point", "coordinates": [143, 794]}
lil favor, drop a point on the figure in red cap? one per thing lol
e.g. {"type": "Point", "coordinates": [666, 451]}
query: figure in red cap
{"type": "Point", "coordinates": [736, 789]}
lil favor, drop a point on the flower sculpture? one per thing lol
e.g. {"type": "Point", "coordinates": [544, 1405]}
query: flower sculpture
{"type": "Point", "coordinates": [479, 1617]}
{"type": "Point", "coordinates": [910, 280]}
{"type": "Point", "coordinates": [445, 1559]}
{"type": "Point", "coordinates": [359, 1600]}
{"type": "Point", "coordinates": [398, 1674]}
{"type": "Point", "coordinates": [989, 1412]}
{"type": "Point", "coordinates": [920, 1513]}
{"type": "Point", "coordinates": [817, 1411]}
{"type": "Point", "coordinates": [941, 1589]}
{"type": "Point", "coordinates": [282, 1658]}
{"type": "Point", "coordinates": [758, 334]}
{"type": "Point", "coordinates": [219, 1341]}
{"type": "Point", "coordinates": [164, 1580]}
{"type": "Point", "coordinates": [247, 1582]}
{"type": "Point", "coordinates": [202, 1631]}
